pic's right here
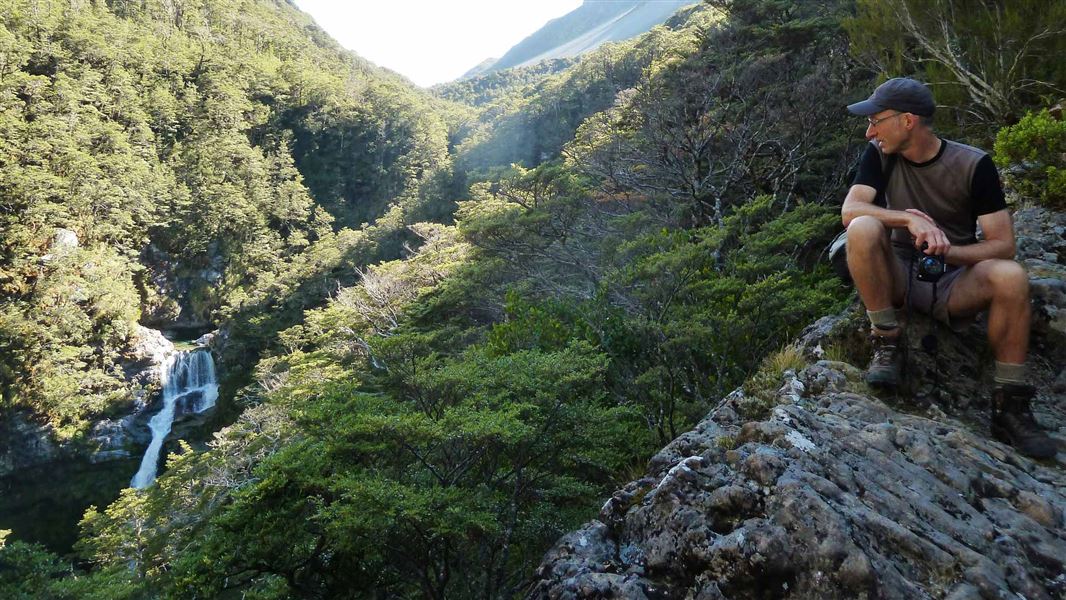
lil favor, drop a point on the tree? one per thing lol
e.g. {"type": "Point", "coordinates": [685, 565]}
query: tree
{"type": "Point", "coordinates": [987, 59]}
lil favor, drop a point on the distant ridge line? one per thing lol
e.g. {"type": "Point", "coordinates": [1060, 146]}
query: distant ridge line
{"type": "Point", "coordinates": [583, 29]}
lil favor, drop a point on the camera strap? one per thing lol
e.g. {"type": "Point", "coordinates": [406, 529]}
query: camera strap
{"type": "Point", "coordinates": [929, 341]}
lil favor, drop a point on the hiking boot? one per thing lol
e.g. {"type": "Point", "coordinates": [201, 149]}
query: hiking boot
{"type": "Point", "coordinates": [887, 362]}
{"type": "Point", "coordinates": [1013, 422]}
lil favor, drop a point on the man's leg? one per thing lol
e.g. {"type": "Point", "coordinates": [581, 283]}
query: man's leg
{"type": "Point", "coordinates": [1002, 287]}
{"type": "Point", "coordinates": [879, 279]}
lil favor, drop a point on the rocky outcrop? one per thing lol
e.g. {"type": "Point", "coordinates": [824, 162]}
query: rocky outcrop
{"type": "Point", "coordinates": [836, 494]}
{"type": "Point", "coordinates": [1041, 238]}
{"type": "Point", "coordinates": [113, 439]}
{"type": "Point", "coordinates": [148, 352]}
{"type": "Point", "coordinates": [64, 241]}
{"type": "Point", "coordinates": [27, 443]}
{"type": "Point", "coordinates": [818, 488]}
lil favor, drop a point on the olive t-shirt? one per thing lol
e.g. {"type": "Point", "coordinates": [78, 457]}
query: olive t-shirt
{"type": "Point", "coordinates": [956, 186]}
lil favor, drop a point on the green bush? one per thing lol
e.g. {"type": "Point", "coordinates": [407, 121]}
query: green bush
{"type": "Point", "coordinates": [1032, 154]}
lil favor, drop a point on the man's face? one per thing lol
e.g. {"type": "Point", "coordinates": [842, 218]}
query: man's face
{"type": "Point", "coordinates": [888, 128]}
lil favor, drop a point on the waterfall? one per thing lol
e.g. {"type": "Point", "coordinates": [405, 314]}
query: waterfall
{"type": "Point", "coordinates": [189, 385]}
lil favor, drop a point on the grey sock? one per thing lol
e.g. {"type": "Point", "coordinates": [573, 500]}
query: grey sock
{"type": "Point", "coordinates": [884, 320]}
{"type": "Point", "coordinates": [1009, 373]}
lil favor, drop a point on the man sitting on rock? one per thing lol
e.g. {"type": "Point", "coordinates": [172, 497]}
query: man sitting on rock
{"type": "Point", "coordinates": [936, 192]}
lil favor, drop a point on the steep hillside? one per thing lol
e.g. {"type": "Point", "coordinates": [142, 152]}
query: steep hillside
{"type": "Point", "coordinates": [586, 28]}
{"type": "Point", "coordinates": [175, 166]}
{"type": "Point", "coordinates": [529, 120]}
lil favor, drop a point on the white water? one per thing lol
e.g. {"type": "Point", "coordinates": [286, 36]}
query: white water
{"type": "Point", "coordinates": [188, 381]}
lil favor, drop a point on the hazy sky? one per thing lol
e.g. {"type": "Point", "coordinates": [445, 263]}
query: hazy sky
{"type": "Point", "coordinates": [432, 41]}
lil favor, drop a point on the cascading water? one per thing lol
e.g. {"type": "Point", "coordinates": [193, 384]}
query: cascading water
{"type": "Point", "coordinates": [189, 385]}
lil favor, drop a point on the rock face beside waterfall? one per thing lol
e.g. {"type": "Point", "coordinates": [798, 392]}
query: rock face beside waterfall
{"type": "Point", "coordinates": [817, 487]}
{"type": "Point", "coordinates": [30, 443]}
{"type": "Point", "coordinates": [116, 438]}
{"type": "Point", "coordinates": [148, 353]}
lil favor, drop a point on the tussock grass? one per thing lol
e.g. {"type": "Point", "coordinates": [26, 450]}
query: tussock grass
{"type": "Point", "coordinates": [761, 388]}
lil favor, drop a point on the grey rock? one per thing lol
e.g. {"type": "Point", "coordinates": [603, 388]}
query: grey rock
{"type": "Point", "coordinates": [884, 504]}
{"type": "Point", "coordinates": [208, 339]}
{"type": "Point", "coordinates": [1060, 382]}
{"type": "Point", "coordinates": [109, 440]}
{"type": "Point", "coordinates": [211, 275]}
{"type": "Point", "coordinates": [64, 240]}
{"type": "Point", "coordinates": [148, 352]}
{"type": "Point", "coordinates": [26, 443]}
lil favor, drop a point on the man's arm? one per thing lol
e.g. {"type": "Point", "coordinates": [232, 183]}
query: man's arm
{"type": "Point", "coordinates": [860, 202]}
{"type": "Point", "coordinates": [998, 242]}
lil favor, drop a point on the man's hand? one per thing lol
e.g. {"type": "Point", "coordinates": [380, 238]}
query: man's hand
{"type": "Point", "coordinates": [925, 231]}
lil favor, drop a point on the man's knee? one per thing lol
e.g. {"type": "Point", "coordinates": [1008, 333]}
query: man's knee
{"type": "Point", "coordinates": [1007, 279]}
{"type": "Point", "coordinates": [865, 231]}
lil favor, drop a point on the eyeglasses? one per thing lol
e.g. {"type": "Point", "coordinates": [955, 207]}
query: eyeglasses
{"type": "Point", "coordinates": [876, 122]}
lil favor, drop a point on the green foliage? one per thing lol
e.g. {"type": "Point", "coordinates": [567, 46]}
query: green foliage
{"type": "Point", "coordinates": [711, 303]}
{"type": "Point", "coordinates": [483, 89]}
{"type": "Point", "coordinates": [528, 326]}
{"type": "Point", "coordinates": [462, 466]}
{"type": "Point", "coordinates": [1032, 155]}
{"type": "Point", "coordinates": [742, 114]}
{"type": "Point", "coordinates": [64, 341]}
{"type": "Point", "coordinates": [987, 60]}
{"type": "Point", "coordinates": [197, 150]}
{"type": "Point", "coordinates": [26, 570]}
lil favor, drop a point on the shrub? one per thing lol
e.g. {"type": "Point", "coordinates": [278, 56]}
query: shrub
{"type": "Point", "coordinates": [1032, 154]}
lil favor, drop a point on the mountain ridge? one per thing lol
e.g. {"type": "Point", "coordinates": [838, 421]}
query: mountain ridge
{"type": "Point", "coordinates": [581, 30]}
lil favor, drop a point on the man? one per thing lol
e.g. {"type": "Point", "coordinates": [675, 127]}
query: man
{"type": "Point", "coordinates": [936, 190]}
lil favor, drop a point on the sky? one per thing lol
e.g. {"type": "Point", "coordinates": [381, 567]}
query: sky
{"type": "Point", "coordinates": [432, 41]}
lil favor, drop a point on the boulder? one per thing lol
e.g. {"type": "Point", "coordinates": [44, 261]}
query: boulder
{"type": "Point", "coordinates": [208, 340]}
{"type": "Point", "coordinates": [63, 241]}
{"type": "Point", "coordinates": [148, 352]}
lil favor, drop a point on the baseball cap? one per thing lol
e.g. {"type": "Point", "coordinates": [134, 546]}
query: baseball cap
{"type": "Point", "coordinates": [899, 93]}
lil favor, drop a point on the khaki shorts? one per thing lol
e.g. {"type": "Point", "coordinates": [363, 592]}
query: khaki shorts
{"type": "Point", "coordinates": [919, 294]}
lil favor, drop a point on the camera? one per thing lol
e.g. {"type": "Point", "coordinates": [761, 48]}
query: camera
{"type": "Point", "coordinates": [930, 267]}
